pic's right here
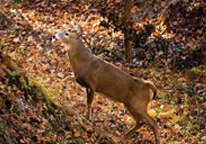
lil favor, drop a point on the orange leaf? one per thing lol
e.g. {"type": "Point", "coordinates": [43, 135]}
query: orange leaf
{"type": "Point", "coordinates": [199, 31]}
{"type": "Point", "coordinates": [66, 15]}
{"type": "Point", "coordinates": [51, 117]}
{"type": "Point", "coordinates": [165, 108]}
{"type": "Point", "coordinates": [101, 28]}
{"type": "Point", "coordinates": [156, 34]}
{"type": "Point", "coordinates": [77, 134]}
{"type": "Point", "coordinates": [163, 116]}
{"type": "Point", "coordinates": [172, 115]}
{"type": "Point", "coordinates": [69, 134]}
{"type": "Point", "coordinates": [198, 4]}
{"type": "Point", "coordinates": [39, 97]}
{"type": "Point", "coordinates": [54, 6]}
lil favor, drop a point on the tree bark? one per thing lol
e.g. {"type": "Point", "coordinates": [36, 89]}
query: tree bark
{"type": "Point", "coordinates": [127, 42]}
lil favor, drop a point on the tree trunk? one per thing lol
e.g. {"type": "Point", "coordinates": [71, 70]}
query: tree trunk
{"type": "Point", "coordinates": [127, 42]}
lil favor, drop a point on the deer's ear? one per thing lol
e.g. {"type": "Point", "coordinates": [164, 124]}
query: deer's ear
{"type": "Point", "coordinates": [77, 33]}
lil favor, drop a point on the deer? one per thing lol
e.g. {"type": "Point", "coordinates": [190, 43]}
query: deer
{"type": "Point", "coordinates": [97, 75]}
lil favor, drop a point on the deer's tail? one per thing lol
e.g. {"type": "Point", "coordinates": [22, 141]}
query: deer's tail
{"type": "Point", "coordinates": [153, 89]}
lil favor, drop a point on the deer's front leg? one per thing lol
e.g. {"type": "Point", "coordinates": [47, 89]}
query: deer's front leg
{"type": "Point", "coordinates": [90, 96]}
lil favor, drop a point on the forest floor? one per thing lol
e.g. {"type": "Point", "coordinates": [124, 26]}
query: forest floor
{"type": "Point", "coordinates": [26, 36]}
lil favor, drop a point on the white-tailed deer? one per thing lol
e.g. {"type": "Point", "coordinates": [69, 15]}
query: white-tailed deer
{"type": "Point", "coordinates": [100, 76]}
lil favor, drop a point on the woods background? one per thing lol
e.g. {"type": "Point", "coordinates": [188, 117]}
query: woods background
{"type": "Point", "coordinates": [160, 40]}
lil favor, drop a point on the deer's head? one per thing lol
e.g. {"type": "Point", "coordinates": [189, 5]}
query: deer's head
{"type": "Point", "coordinates": [68, 36]}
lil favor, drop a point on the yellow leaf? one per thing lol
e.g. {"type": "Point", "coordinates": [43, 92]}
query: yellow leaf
{"type": "Point", "coordinates": [152, 112]}
{"type": "Point", "coordinates": [199, 31]}
{"type": "Point", "coordinates": [2, 42]}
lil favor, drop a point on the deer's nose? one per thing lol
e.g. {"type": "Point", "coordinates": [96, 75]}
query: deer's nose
{"type": "Point", "coordinates": [53, 36]}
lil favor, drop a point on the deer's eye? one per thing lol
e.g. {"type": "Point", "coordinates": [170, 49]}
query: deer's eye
{"type": "Point", "coordinates": [67, 34]}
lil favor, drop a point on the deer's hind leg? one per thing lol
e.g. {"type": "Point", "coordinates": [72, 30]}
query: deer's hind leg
{"type": "Point", "coordinates": [151, 121]}
{"type": "Point", "coordinates": [139, 112]}
{"type": "Point", "coordinates": [137, 119]}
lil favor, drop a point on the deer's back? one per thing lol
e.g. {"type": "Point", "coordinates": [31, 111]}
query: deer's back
{"type": "Point", "coordinates": [112, 81]}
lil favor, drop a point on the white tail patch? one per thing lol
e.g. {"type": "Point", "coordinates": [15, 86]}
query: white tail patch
{"type": "Point", "coordinates": [151, 94]}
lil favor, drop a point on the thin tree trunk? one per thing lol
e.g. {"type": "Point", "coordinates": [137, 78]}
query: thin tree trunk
{"type": "Point", "coordinates": [127, 42]}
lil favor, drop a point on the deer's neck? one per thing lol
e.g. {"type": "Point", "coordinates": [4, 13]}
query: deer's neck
{"type": "Point", "coordinates": [78, 54]}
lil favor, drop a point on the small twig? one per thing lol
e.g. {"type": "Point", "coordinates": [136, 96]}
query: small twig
{"type": "Point", "coordinates": [183, 89]}
{"type": "Point", "coordinates": [68, 79]}
{"type": "Point", "coordinates": [1, 92]}
{"type": "Point", "coordinates": [90, 46]}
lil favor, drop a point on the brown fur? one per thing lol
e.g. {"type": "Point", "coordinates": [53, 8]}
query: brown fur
{"type": "Point", "coordinates": [100, 76]}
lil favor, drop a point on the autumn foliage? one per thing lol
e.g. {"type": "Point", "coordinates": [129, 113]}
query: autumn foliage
{"type": "Point", "coordinates": [168, 48]}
